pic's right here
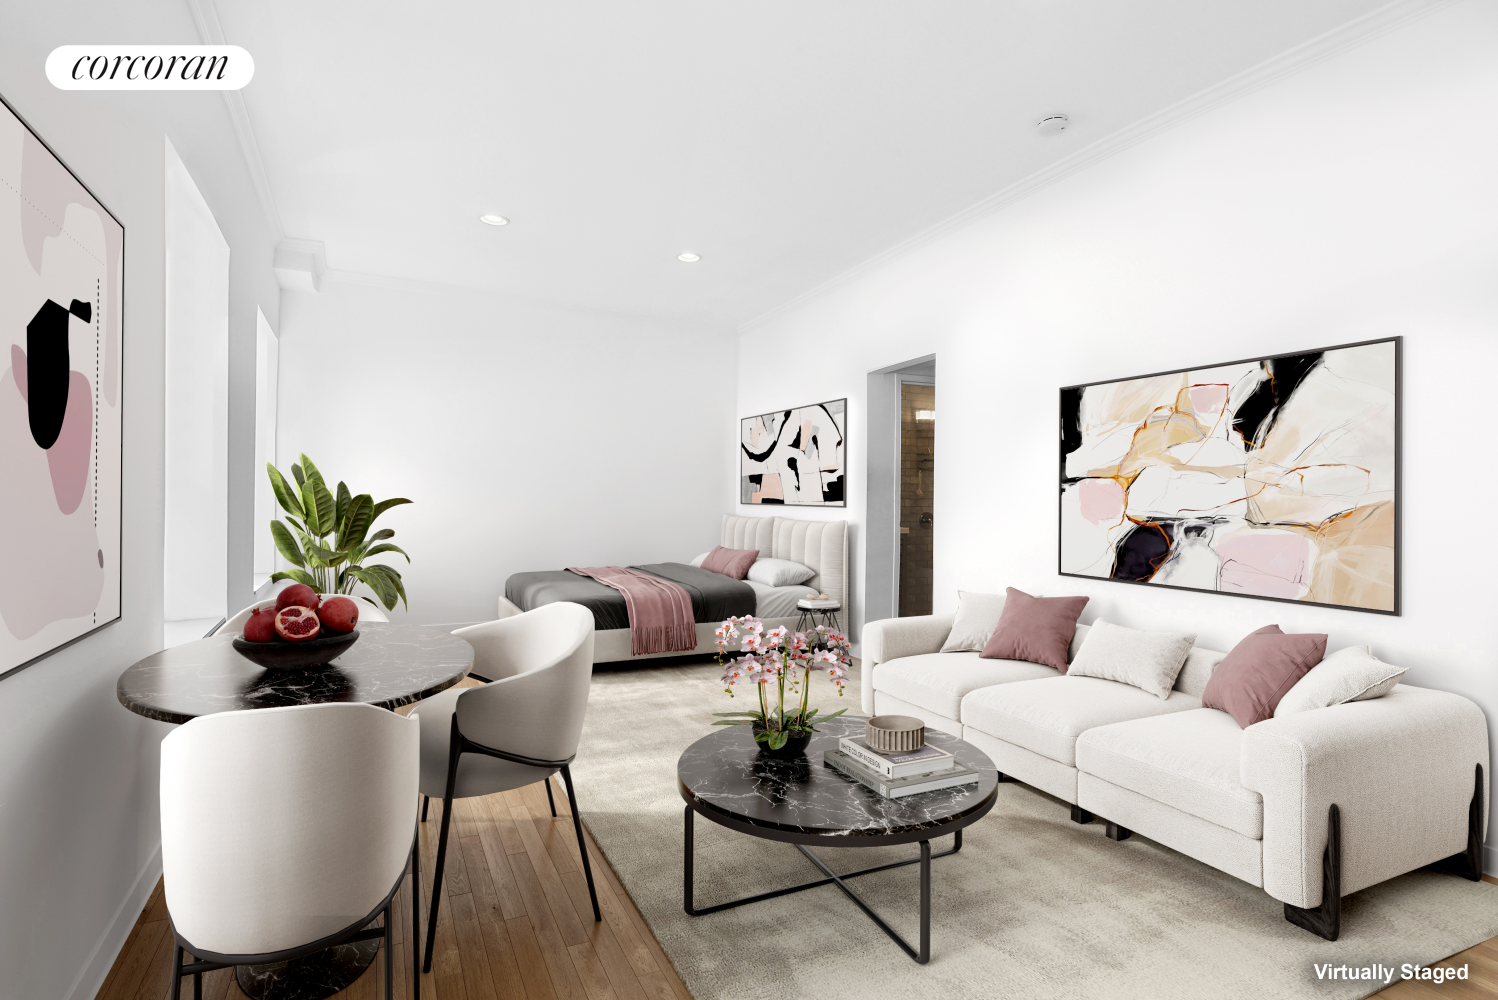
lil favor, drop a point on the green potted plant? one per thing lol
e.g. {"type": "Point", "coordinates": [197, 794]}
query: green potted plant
{"type": "Point", "coordinates": [328, 538]}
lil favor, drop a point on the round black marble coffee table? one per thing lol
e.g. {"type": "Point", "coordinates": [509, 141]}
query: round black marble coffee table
{"type": "Point", "coordinates": [805, 802]}
{"type": "Point", "coordinates": [390, 666]}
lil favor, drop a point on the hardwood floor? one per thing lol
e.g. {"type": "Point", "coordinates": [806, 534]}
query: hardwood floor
{"type": "Point", "coordinates": [516, 923]}
{"type": "Point", "coordinates": [1480, 984]}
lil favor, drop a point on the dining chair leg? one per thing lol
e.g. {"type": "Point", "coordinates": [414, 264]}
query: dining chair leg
{"type": "Point", "coordinates": [549, 800]}
{"type": "Point", "coordinates": [176, 990]}
{"type": "Point", "coordinates": [390, 949]}
{"type": "Point", "coordinates": [453, 753]}
{"type": "Point", "coordinates": [425, 801]}
{"type": "Point", "coordinates": [197, 984]}
{"type": "Point", "coordinates": [416, 916]}
{"type": "Point", "coordinates": [582, 844]}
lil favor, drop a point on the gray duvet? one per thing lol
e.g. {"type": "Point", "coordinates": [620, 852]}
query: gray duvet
{"type": "Point", "coordinates": [714, 596]}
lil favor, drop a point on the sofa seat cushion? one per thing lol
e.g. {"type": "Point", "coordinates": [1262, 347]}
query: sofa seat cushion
{"type": "Point", "coordinates": [1048, 715]}
{"type": "Point", "coordinates": [938, 682]}
{"type": "Point", "coordinates": [1188, 760]}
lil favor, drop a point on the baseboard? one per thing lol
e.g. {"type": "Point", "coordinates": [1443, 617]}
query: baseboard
{"type": "Point", "coordinates": [1489, 859]}
{"type": "Point", "coordinates": [91, 977]}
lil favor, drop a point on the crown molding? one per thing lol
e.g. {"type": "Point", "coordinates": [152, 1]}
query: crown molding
{"type": "Point", "coordinates": [300, 265]}
{"type": "Point", "coordinates": [205, 15]}
{"type": "Point", "coordinates": [1322, 47]}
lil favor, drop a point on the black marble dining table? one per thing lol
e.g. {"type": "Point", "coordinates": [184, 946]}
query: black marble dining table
{"type": "Point", "coordinates": [389, 666]}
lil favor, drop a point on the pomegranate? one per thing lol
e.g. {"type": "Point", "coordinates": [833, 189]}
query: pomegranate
{"type": "Point", "coordinates": [298, 595]}
{"type": "Point", "coordinates": [338, 614]}
{"type": "Point", "coordinates": [296, 623]}
{"type": "Point", "coordinates": [262, 626]}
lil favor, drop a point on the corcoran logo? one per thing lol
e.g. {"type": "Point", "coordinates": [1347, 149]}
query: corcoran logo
{"type": "Point", "coordinates": [149, 67]}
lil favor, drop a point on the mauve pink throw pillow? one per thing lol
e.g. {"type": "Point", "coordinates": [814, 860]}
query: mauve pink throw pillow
{"type": "Point", "coordinates": [730, 562]}
{"type": "Point", "coordinates": [1251, 680]}
{"type": "Point", "coordinates": [1037, 629]}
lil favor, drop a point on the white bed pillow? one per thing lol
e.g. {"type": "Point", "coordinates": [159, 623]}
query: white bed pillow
{"type": "Point", "coordinates": [1149, 661]}
{"type": "Point", "coordinates": [698, 560]}
{"type": "Point", "coordinates": [976, 618]}
{"type": "Point", "coordinates": [1350, 674]}
{"type": "Point", "coordinates": [779, 572]}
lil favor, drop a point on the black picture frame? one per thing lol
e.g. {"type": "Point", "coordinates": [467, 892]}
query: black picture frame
{"type": "Point", "coordinates": [745, 454]}
{"type": "Point", "coordinates": [124, 255]}
{"type": "Point", "coordinates": [1395, 611]}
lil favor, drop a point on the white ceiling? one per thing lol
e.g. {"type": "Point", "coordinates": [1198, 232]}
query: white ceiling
{"type": "Point", "coordinates": [783, 140]}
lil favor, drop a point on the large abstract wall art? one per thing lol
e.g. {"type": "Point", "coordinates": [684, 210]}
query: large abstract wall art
{"type": "Point", "coordinates": [797, 456]}
{"type": "Point", "coordinates": [61, 305]}
{"type": "Point", "coordinates": [1274, 478]}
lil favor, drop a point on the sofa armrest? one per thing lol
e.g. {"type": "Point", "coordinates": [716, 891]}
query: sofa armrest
{"type": "Point", "coordinates": [892, 638]}
{"type": "Point", "coordinates": [1400, 769]}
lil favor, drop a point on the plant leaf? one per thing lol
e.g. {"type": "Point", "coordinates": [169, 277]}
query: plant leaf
{"type": "Point", "coordinates": [299, 575]}
{"type": "Point", "coordinates": [353, 522]}
{"type": "Point", "coordinates": [384, 548]}
{"type": "Point", "coordinates": [777, 740]}
{"type": "Point", "coordinates": [325, 556]}
{"type": "Point", "coordinates": [381, 535]}
{"type": "Point", "coordinates": [285, 495]}
{"type": "Point", "coordinates": [342, 504]}
{"type": "Point", "coordinates": [296, 473]}
{"type": "Point", "coordinates": [385, 505]}
{"type": "Point", "coordinates": [310, 470]}
{"type": "Point", "coordinates": [752, 715]}
{"type": "Point", "coordinates": [286, 544]}
{"type": "Point", "coordinates": [733, 722]}
{"type": "Point", "coordinates": [309, 508]}
{"type": "Point", "coordinates": [382, 585]}
{"type": "Point", "coordinates": [315, 495]}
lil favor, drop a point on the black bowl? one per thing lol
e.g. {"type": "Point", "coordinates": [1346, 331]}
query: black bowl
{"type": "Point", "coordinates": [300, 655]}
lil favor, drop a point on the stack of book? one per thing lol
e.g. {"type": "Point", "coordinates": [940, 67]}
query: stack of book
{"type": "Point", "coordinates": [896, 774]}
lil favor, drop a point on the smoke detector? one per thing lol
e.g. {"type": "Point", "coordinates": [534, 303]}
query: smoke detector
{"type": "Point", "coordinates": [1051, 125]}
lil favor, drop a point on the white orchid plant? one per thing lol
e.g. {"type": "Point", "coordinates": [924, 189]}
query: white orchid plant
{"type": "Point", "coordinates": [773, 657]}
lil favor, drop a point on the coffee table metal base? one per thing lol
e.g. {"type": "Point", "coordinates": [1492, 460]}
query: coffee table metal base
{"type": "Point", "coordinates": [922, 954]}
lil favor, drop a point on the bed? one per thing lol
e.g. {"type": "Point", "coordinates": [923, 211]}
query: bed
{"type": "Point", "coordinates": [820, 545]}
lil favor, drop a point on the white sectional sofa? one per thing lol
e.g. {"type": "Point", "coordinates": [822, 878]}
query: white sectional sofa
{"type": "Point", "coordinates": [1310, 807]}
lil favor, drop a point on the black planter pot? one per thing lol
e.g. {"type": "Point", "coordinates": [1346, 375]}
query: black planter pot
{"type": "Point", "coordinates": [795, 744]}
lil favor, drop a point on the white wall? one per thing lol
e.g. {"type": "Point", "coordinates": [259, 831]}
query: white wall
{"type": "Point", "coordinates": [267, 370]}
{"type": "Point", "coordinates": [1352, 200]}
{"type": "Point", "coordinates": [78, 772]}
{"type": "Point", "coordinates": [196, 572]}
{"type": "Point", "coordinates": [529, 436]}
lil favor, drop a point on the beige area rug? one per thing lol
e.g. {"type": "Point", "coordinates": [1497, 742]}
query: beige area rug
{"type": "Point", "coordinates": [1034, 906]}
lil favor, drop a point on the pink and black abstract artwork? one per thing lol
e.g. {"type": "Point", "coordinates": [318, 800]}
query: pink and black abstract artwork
{"type": "Point", "coordinates": [61, 304]}
{"type": "Point", "coordinates": [1274, 478]}
{"type": "Point", "coordinates": [796, 457]}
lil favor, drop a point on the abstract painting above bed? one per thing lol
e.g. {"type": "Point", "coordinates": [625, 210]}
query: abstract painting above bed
{"type": "Point", "coordinates": [796, 457]}
{"type": "Point", "coordinates": [1275, 478]}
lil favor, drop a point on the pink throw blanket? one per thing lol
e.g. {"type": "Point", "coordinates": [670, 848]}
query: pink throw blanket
{"type": "Point", "coordinates": [660, 612]}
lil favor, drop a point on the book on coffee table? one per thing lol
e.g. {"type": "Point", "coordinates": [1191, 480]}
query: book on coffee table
{"type": "Point", "coordinates": [898, 788]}
{"type": "Point", "coordinates": [896, 763]}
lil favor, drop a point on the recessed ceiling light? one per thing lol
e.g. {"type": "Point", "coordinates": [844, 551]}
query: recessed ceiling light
{"type": "Point", "coordinates": [1051, 125]}
{"type": "Point", "coordinates": [688, 258]}
{"type": "Point", "coordinates": [494, 220]}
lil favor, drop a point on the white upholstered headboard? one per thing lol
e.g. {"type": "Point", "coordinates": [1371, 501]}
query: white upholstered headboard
{"type": "Point", "coordinates": [822, 545]}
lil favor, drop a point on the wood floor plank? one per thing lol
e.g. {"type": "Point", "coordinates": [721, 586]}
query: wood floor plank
{"type": "Point", "coordinates": [564, 979]}
{"type": "Point", "coordinates": [590, 970]}
{"type": "Point", "coordinates": [504, 823]}
{"type": "Point", "coordinates": [465, 819]}
{"type": "Point", "coordinates": [621, 974]}
{"type": "Point", "coordinates": [454, 874]}
{"type": "Point", "coordinates": [656, 987]}
{"type": "Point", "coordinates": [546, 873]}
{"type": "Point", "coordinates": [158, 975]}
{"type": "Point", "coordinates": [606, 871]}
{"type": "Point", "coordinates": [133, 966]}
{"type": "Point", "coordinates": [498, 865]}
{"type": "Point", "coordinates": [555, 832]}
{"type": "Point", "coordinates": [478, 982]}
{"type": "Point", "coordinates": [614, 918]}
{"type": "Point", "coordinates": [156, 905]}
{"type": "Point", "coordinates": [504, 972]}
{"type": "Point", "coordinates": [533, 971]}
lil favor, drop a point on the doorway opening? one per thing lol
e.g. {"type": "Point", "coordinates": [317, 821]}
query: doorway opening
{"type": "Point", "coordinates": [901, 490]}
{"type": "Point", "coordinates": [917, 491]}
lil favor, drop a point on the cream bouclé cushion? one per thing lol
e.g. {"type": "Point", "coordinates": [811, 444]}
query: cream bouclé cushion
{"type": "Point", "coordinates": [977, 616]}
{"type": "Point", "coordinates": [779, 572]}
{"type": "Point", "coordinates": [1149, 661]}
{"type": "Point", "coordinates": [1351, 674]}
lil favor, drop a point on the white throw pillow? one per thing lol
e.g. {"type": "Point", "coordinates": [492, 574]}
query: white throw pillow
{"type": "Point", "coordinates": [698, 561]}
{"type": "Point", "coordinates": [1149, 661]}
{"type": "Point", "coordinates": [1351, 674]}
{"type": "Point", "coordinates": [976, 618]}
{"type": "Point", "coordinates": [779, 572]}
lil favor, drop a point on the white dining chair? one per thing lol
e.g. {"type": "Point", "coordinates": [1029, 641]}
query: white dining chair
{"type": "Point", "coordinates": [285, 831]}
{"type": "Point", "coordinates": [521, 727]}
{"type": "Point", "coordinates": [369, 611]}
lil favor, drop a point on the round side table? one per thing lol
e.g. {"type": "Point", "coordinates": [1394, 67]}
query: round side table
{"type": "Point", "coordinates": [811, 611]}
